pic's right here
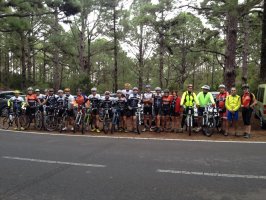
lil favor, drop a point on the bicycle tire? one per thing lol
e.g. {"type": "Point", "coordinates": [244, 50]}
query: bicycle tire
{"type": "Point", "coordinates": [189, 126]}
{"type": "Point", "coordinates": [5, 122]}
{"type": "Point", "coordinates": [62, 123]}
{"type": "Point", "coordinates": [105, 126]}
{"type": "Point", "coordinates": [82, 125]}
{"type": "Point", "coordinates": [38, 120]}
{"type": "Point", "coordinates": [50, 123]}
{"type": "Point", "coordinates": [138, 126]}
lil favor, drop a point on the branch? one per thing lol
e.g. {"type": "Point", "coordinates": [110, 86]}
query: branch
{"type": "Point", "coordinates": [24, 15]}
{"type": "Point", "coordinates": [208, 51]}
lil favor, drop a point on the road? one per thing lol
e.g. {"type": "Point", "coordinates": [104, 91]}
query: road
{"type": "Point", "coordinates": [57, 167]}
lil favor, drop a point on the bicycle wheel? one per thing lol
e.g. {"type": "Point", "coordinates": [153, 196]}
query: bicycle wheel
{"type": "Point", "coordinates": [105, 125]}
{"type": "Point", "coordinates": [189, 126]}
{"type": "Point", "coordinates": [76, 123]}
{"type": "Point", "coordinates": [139, 124]}
{"type": "Point", "coordinates": [38, 120]}
{"type": "Point", "coordinates": [50, 123]}
{"type": "Point", "coordinates": [62, 123]}
{"type": "Point", "coordinates": [5, 122]}
{"type": "Point", "coordinates": [83, 125]}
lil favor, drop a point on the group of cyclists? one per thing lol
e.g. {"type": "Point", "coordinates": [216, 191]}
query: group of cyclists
{"type": "Point", "coordinates": [161, 110]}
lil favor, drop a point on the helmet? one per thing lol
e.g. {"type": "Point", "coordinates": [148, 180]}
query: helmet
{"type": "Point", "coordinates": [67, 89]}
{"type": "Point", "coordinates": [148, 86]}
{"type": "Point", "coordinates": [37, 90]}
{"type": "Point", "coordinates": [205, 87]}
{"type": "Point", "coordinates": [158, 89]}
{"type": "Point", "coordinates": [135, 88]}
{"type": "Point", "coordinates": [16, 92]}
{"type": "Point", "coordinates": [30, 89]}
{"type": "Point", "coordinates": [119, 91]}
{"type": "Point", "coordinates": [245, 86]}
{"type": "Point", "coordinates": [222, 86]}
{"type": "Point", "coordinates": [60, 91]}
{"type": "Point", "coordinates": [107, 93]}
{"type": "Point", "coordinates": [189, 85]}
{"type": "Point", "coordinates": [94, 89]}
{"type": "Point", "coordinates": [127, 85]}
{"type": "Point", "coordinates": [166, 91]}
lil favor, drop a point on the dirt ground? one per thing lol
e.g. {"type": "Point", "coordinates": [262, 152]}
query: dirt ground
{"type": "Point", "coordinates": [258, 134]}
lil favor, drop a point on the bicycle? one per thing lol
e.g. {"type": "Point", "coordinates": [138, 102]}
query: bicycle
{"type": "Point", "coordinates": [115, 120]}
{"type": "Point", "coordinates": [79, 123]}
{"type": "Point", "coordinates": [189, 119]}
{"type": "Point", "coordinates": [139, 118]}
{"type": "Point", "coordinates": [51, 118]}
{"type": "Point", "coordinates": [63, 120]}
{"type": "Point", "coordinates": [210, 120]}
{"type": "Point", "coordinates": [106, 120]}
{"type": "Point", "coordinates": [7, 119]}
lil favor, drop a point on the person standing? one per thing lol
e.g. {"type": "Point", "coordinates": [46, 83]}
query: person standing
{"type": "Point", "coordinates": [232, 104]}
{"type": "Point", "coordinates": [188, 100]}
{"type": "Point", "coordinates": [147, 102]}
{"type": "Point", "coordinates": [220, 103]}
{"type": "Point", "coordinates": [248, 102]}
{"type": "Point", "coordinates": [157, 108]}
{"type": "Point", "coordinates": [175, 111]}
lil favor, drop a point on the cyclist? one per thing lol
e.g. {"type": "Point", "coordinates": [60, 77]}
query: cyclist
{"type": "Point", "coordinates": [248, 102]}
{"type": "Point", "coordinates": [204, 98]}
{"type": "Point", "coordinates": [60, 102]}
{"type": "Point", "coordinates": [50, 100]}
{"type": "Point", "coordinates": [120, 105]}
{"type": "Point", "coordinates": [220, 103]}
{"type": "Point", "coordinates": [69, 102]}
{"type": "Point", "coordinates": [15, 105]}
{"type": "Point", "coordinates": [80, 101]}
{"type": "Point", "coordinates": [175, 111]}
{"type": "Point", "coordinates": [40, 96]}
{"type": "Point", "coordinates": [107, 104]}
{"type": "Point", "coordinates": [146, 99]}
{"type": "Point", "coordinates": [31, 102]}
{"type": "Point", "coordinates": [94, 102]}
{"type": "Point", "coordinates": [157, 108]}
{"type": "Point", "coordinates": [232, 103]}
{"type": "Point", "coordinates": [127, 91]}
{"type": "Point", "coordinates": [133, 101]}
{"type": "Point", "coordinates": [166, 108]}
{"type": "Point", "coordinates": [188, 100]}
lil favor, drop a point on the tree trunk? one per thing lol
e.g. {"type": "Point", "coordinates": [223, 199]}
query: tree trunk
{"type": "Point", "coordinates": [115, 87]}
{"type": "Point", "coordinates": [88, 65]}
{"type": "Point", "coordinates": [23, 60]}
{"type": "Point", "coordinates": [82, 40]}
{"type": "Point", "coordinates": [56, 67]}
{"type": "Point", "coordinates": [263, 48]}
{"type": "Point", "coordinates": [231, 45]}
{"type": "Point", "coordinates": [245, 51]}
{"type": "Point", "coordinates": [141, 62]}
{"type": "Point", "coordinates": [161, 59]}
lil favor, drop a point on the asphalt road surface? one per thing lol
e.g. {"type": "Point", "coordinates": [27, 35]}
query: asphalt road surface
{"type": "Point", "coordinates": [50, 167]}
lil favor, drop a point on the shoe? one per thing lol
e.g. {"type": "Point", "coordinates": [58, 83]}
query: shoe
{"type": "Point", "coordinates": [15, 128]}
{"type": "Point", "coordinates": [247, 136]}
{"type": "Point", "coordinates": [22, 129]}
{"type": "Point", "coordinates": [151, 130]}
{"type": "Point", "coordinates": [144, 130]}
{"type": "Point", "coordinates": [198, 129]}
{"type": "Point", "coordinates": [64, 129]}
{"type": "Point", "coordinates": [158, 130]}
{"type": "Point", "coordinates": [93, 130]}
{"type": "Point", "coordinates": [126, 131]}
{"type": "Point", "coordinates": [237, 135]}
{"type": "Point", "coordinates": [225, 133]}
{"type": "Point", "coordinates": [97, 130]}
{"type": "Point", "coordinates": [72, 129]}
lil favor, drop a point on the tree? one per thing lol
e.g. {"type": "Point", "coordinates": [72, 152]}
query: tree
{"type": "Point", "coordinates": [263, 47]}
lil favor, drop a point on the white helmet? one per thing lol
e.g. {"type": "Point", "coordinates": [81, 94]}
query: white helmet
{"type": "Point", "coordinates": [222, 86]}
{"type": "Point", "coordinates": [119, 91]}
{"type": "Point", "coordinates": [94, 89]}
{"type": "Point", "coordinates": [158, 89]}
{"type": "Point", "coordinates": [135, 88]}
{"type": "Point", "coordinates": [30, 89]}
{"type": "Point", "coordinates": [206, 87]}
{"type": "Point", "coordinates": [60, 91]}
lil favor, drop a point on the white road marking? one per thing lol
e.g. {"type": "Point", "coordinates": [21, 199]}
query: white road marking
{"type": "Point", "coordinates": [211, 174]}
{"type": "Point", "coordinates": [53, 162]}
{"type": "Point", "coordinates": [133, 138]}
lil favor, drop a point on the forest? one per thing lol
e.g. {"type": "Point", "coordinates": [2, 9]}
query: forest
{"type": "Point", "coordinates": [106, 43]}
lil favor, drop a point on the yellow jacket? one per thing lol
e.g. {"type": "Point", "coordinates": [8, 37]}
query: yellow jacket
{"type": "Point", "coordinates": [233, 103]}
{"type": "Point", "coordinates": [189, 100]}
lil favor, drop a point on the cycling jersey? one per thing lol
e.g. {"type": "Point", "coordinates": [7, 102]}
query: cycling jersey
{"type": "Point", "coordinates": [41, 97]}
{"type": "Point", "coordinates": [106, 104]}
{"type": "Point", "coordinates": [126, 93]}
{"type": "Point", "coordinates": [94, 100]}
{"type": "Point", "coordinates": [205, 99]}
{"type": "Point", "coordinates": [121, 103]}
{"type": "Point", "coordinates": [61, 101]}
{"type": "Point", "coordinates": [233, 103]}
{"type": "Point", "coordinates": [157, 101]}
{"type": "Point", "coordinates": [51, 100]}
{"type": "Point", "coordinates": [220, 100]}
{"type": "Point", "coordinates": [147, 99]}
{"type": "Point", "coordinates": [16, 102]}
{"type": "Point", "coordinates": [133, 100]}
{"type": "Point", "coordinates": [247, 99]}
{"type": "Point", "coordinates": [32, 99]}
{"type": "Point", "coordinates": [176, 104]}
{"type": "Point", "coordinates": [80, 100]}
{"type": "Point", "coordinates": [69, 100]}
{"type": "Point", "coordinates": [189, 99]}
